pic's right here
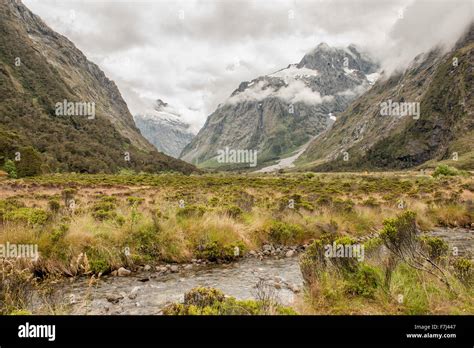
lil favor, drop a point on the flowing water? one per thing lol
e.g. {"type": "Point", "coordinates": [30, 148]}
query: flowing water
{"type": "Point", "coordinates": [237, 279]}
{"type": "Point", "coordinates": [149, 292]}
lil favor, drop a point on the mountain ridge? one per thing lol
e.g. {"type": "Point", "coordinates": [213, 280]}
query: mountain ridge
{"type": "Point", "coordinates": [277, 113]}
{"type": "Point", "coordinates": [40, 68]}
{"type": "Point", "coordinates": [163, 127]}
{"type": "Point", "coordinates": [443, 91]}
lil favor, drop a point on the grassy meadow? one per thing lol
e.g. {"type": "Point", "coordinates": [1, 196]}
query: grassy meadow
{"type": "Point", "coordinates": [91, 225]}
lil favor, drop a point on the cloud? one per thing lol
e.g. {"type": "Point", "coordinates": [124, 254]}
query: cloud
{"type": "Point", "coordinates": [423, 25]}
{"type": "Point", "coordinates": [193, 54]}
{"type": "Point", "coordinates": [295, 91]}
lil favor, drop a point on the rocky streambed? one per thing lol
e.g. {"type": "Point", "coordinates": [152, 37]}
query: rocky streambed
{"type": "Point", "coordinates": [151, 289]}
{"type": "Point", "coordinates": [147, 292]}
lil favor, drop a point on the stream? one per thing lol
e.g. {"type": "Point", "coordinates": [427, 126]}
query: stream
{"type": "Point", "coordinates": [148, 292]}
{"type": "Point", "coordinates": [133, 296]}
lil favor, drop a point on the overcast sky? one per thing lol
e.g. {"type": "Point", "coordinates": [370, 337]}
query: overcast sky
{"type": "Point", "coordinates": [194, 53]}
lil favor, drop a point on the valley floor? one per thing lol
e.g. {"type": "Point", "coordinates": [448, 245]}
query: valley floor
{"type": "Point", "coordinates": [170, 232]}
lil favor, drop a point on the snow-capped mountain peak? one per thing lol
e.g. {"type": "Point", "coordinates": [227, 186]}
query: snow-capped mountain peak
{"type": "Point", "coordinates": [162, 125]}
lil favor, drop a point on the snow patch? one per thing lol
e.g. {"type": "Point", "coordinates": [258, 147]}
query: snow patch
{"type": "Point", "coordinates": [294, 72]}
{"type": "Point", "coordinates": [372, 77]}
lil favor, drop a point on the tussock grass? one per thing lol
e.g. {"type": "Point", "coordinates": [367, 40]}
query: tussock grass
{"type": "Point", "coordinates": [174, 218]}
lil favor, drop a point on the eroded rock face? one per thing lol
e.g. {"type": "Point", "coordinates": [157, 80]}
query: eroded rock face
{"type": "Point", "coordinates": [277, 113]}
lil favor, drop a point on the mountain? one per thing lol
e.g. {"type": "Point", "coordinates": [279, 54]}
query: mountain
{"type": "Point", "coordinates": [439, 127]}
{"type": "Point", "coordinates": [60, 108]}
{"type": "Point", "coordinates": [276, 114]}
{"type": "Point", "coordinates": [163, 127]}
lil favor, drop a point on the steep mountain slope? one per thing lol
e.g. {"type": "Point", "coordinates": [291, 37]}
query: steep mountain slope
{"type": "Point", "coordinates": [40, 68]}
{"type": "Point", "coordinates": [163, 127]}
{"type": "Point", "coordinates": [364, 138]}
{"type": "Point", "coordinates": [278, 113]}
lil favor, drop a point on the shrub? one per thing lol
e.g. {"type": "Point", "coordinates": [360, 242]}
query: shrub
{"type": "Point", "coordinates": [31, 216]}
{"type": "Point", "coordinates": [104, 209]}
{"type": "Point", "coordinates": [202, 297]}
{"type": "Point", "coordinates": [436, 247]}
{"type": "Point", "coordinates": [343, 205]}
{"type": "Point", "coordinates": [59, 232]}
{"type": "Point", "coordinates": [30, 163]}
{"type": "Point", "coordinates": [54, 205]}
{"type": "Point", "coordinates": [147, 240]}
{"type": "Point", "coordinates": [313, 262]}
{"type": "Point", "coordinates": [102, 215]}
{"type": "Point", "coordinates": [445, 170]}
{"type": "Point", "coordinates": [284, 233]}
{"type": "Point", "coordinates": [99, 260]}
{"type": "Point", "coordinates": [209, 301]}
{"type": "Point", "coordinates": [399, 234]}
{"type": "Point", "coordinates": [9, 205]}
{"type": "Point", "coordinates": [233, 211]}
{"type": "Point", "coordinates": [363, 282]}
{"type": "Point", "coordinates": [463, 269]}
{"type": "Point", "coordinates": [10, 168]}
{"type": "Point", "coordinates": [324, 200]}
{"type": "Point", "coordinates": [345, 264]}
{"type": "Point", "coordinates": [217, 251]}
{"type": "Point", "coordinates": [135, 200]}
{"type": "Point", "coordinates": [371, 202]}
{"type": "Point", "coordinates": [191, 211]}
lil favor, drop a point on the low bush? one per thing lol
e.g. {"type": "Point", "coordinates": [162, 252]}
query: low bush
{"type": "Point", "coordinates": [209, 301]}
{"type": "Point", "coordinates": [363, 282]}
{"type": "Point", "coordinates": [30, 216]}
{"type": "Point", "coordinates": [285, 233]}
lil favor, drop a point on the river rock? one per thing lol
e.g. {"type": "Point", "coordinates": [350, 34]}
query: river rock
{"type": "Point", "coordinates": [277, 279]}
{"type": "Point", "coordinates": [290, 253]}
{"type": "Point", "coordinates": [113, 298]}
{"type": "Point", "coordinates": [188, 267]}
{"type": "Point", "coordinates": [133, 294]}
{"type": "Point", "coordinates": [267, 248]}
{"type": "Point", "coordinates": [174, 268]}
{"type": "Point", "coordinates": [123, 272]}
{"type": "Point", "coordinates": [293, 287]}
{"type": "Point", "coordinates": [161, 269]}
{"type": "Point", "coordinates": [147, 268]}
